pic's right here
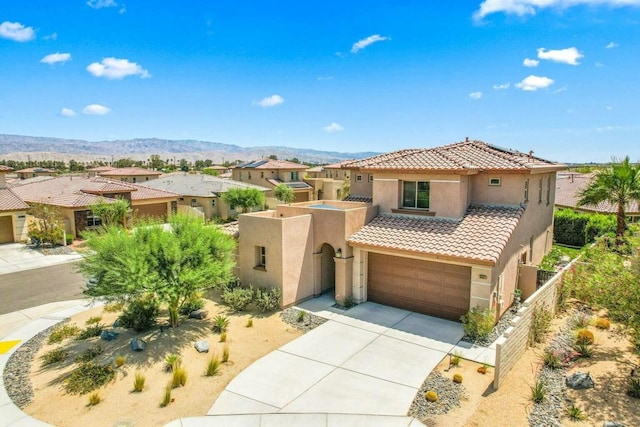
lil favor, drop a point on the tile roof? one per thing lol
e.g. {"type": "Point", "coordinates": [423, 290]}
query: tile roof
{"type": "Point", "coordinates": [37, 170]}
{"type": "Point", "coordinates": [271, 164]}
{"type": "Point", "coordinates": [354, 198]}
{"type": "Point", "coordinates": [231, 228]}
{"type": "Point", "coordinates": [9, 201]}
{"type": "Point", "coordinates": [461, 156]}
{"type": "Point", "coordinates": [101, 169]}
{"type": "Point", "coordinates": [130, 172]}
{"type": "Point", "coordinates": [4, 168]}
{"type": "Point", "coordinates": [294, 185]}
{"type": "Point", "coordinates": [568, 187]}
{"type": "Point", "coordinates": [479, 236]}
{"type": "Point", "coordinates": [201, 185]}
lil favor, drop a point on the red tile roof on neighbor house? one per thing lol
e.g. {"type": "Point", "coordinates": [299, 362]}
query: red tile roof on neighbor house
{"type": "Point", "coordinates": [568, 187]}
{"type": "Point", "coordinates": [9, 201]}
{"type": "Point", "coordinates": [130, 172]}
{"type": "Point", "coordinates": [4, 168]}
{"type": "Point", "coordinates": [36, 170]}
{"type": "Point", "coordinates": [271, 164]}
{"type": "Point", "coordinates": [459, 157]}
{"type": "Point", "coordinates": [480, 236]}
{"type": "Point", "coordinates": [101, 169]}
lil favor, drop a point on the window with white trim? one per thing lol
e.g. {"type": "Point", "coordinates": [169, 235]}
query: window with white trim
{"type": "Point", "coordinates": [540, 190]}
{"type": "Point", "coordinates": [370, 178]}
{"type": "Point", "coordinates": [93, 220]}
{"type": "Point", "coordinates": [261, 257]}
{"type": "Point", "coordinates": [494, 182]}
{"type": "Point", "coordinates": [415, 194]}
{"type": "Point", "coordinates": [358, 178]}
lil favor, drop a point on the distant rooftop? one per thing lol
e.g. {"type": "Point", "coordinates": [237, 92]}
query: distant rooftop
{"type": "Point", "coordinates": [200, 185]}
{"type": "Point", "coordinates": [271, 164]}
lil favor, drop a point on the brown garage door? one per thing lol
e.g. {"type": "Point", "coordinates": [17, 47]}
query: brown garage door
{"type": "Point", "coordinates": [158, 210]}
{"type": "Point", "coordinates": [6, 229]}
{"type": "Point", "coordinates": [431, 288]}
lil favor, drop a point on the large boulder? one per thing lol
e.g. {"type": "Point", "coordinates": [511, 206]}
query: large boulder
{"type": "Point", "coordinates": [612, 424]}
{"type": "Point", "coordinates": [138, 344]}
{"type": "Point", "coordinates": [108, 335]}
{"type": "Point", "coordinates": [580, 381]}
{"type": "Point", "coordinates": [202, 346]}
{"type": "Point", "coordinates": [199, 314]}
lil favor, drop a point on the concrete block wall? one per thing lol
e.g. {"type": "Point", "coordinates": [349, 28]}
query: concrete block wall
{"type": "Point", "coordinates": [514, 341]}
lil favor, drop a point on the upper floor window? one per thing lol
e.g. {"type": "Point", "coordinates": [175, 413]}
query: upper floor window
{"type": "Point", "coordinates": [415, 194]}
{"type": "Point", "coordinates": [370, 178]}
{"type": "Point", "coordinates": [548, 190]}
{"type": "Point", "coordinates": [261, 174]}
{"type": "Point", "coordinates": [494, 181]}
{"type": "Point", "coordinates": [294, 176]}
{"type": "Point", "coordinates": [540, 190]}
{"type": "Point", "coordinates": [249, 175]}
{"type": "Point", "coordinates": [526, 190]}
{"type": "Point", "coordinates": [358, 178]}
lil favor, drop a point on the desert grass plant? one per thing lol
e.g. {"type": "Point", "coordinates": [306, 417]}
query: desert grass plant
{"type": "Point", "coordinates": [540, 324]}
{"type": "Point", "coordinates": [225, 354]}
{"type": "Point", "coordinates": [89, 354]}
{"type": "Point", "coordinates": [249, 323]}
{"type": "Point", "coordinates": [166, 397]}
{"type": "Point", "coordinates": [455, 360]}
{"type": "Point", "coordinates": [120, 360]}
{"type": "Point", "coordinates": [93, 320]}
{"type": "Point", "coordinates": [54, 356]}
{"type": "Point", "coordinates": [94, 399]}
{"type": "Point", "coordinates": [237, 298]}
{"type": "Point", "coordinates": [267, 300]}
{"type": "Point", "coordinates": [212, 366]}
{"type": "Point", "coordinates": [179, 378]}
{"type": "Point", "coordinates": [113, 307]}
{"type": "Point", "coordinates": [220, 324]}
{"type": "Point", "coordinates": [223, 337]}
{"type": "Point", "coordinates": [301, 315]}
{"type": "Point", "coordinates": [90, 331]}
{"type": "Point", "coordinates": [172, 362]}
{"type": "Point", "coordinates": [62, 332]}
{"type": "Point", "coordinates": [583, 349]}
{"type": "Point", "coordinates": [138, 382]}
{"type": "Point", "coordinates": [633, 388]}
{"type": "Point", "coordinates": [552, 359]}
{"type": "Point", "coordinates": [580, 320]}
{"type": "Point", "coordinates": [88, 377]}
{"type": "Point", "coordinates": [538, 391]}
{"type": "Point", "coordinates": [575, 413]}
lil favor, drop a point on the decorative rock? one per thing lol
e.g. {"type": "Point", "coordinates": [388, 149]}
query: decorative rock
{"type": "Point", "coordinates": [580, 381]}
{"type": "Point", "coordinates": [612, 424]}
{"type": "Point", "coordinates": [202, 346]}
{"type": "Point", "coordinates": [198, 314]}
{"type": "Point", "coordinates": [108, 335]}
{"type": "Point", "coordinates": [117, 323]}
{"type": "Point", "coordinates": [138, 344]}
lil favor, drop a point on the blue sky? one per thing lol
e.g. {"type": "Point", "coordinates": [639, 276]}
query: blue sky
{"type": "Point", "coordinates": [559, 77]}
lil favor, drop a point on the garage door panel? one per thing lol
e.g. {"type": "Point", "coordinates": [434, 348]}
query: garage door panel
{"type": "Point", "coordinates": [421, 286]}
{"type": "Point", "coordinates": [6, 229]}
{"type": "Point", "coordinates": [158, 210]}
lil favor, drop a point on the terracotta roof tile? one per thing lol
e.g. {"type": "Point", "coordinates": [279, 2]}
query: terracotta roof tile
{"type": "Point", "coordinates": [480, 235]}
{"type": "Point", "coordinates": [4, 168]}
{"type": "Point", "coordinates": [353, 198]}
{"type": "Point", "coordinates": [568, 187]}
{"type": "Point", "coordinates": [130, 172]}
{"type": "Point", "coordinates": [271, 164]}
{"type": "Point", "coordinates": [9, 201]}
{"type": "Point", "coordinates": [231, 228]}
{"type": "Point", "coordinates": [468, 155]}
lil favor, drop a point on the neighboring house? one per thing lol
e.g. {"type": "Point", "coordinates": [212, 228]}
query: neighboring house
{"type": "Point", "coordinates": [13, 212]}
{"type": "Point", "coordinates": [74, 195]}
{"type": "Point", "coordinates": [218, 169]}
{"type": "Point", "coordinates": [96, 171]}
{"type": "Point", "coordinates": [449, 228]}
{"type": "Point", "coordinates": [328, 181]}
{"type": "Point", "coordinates": [270, 173]}
{"type": "Point", "coordinates": [201, 192]}
{"type": "Point", "coordinates": [33, 172]}
{"type": "Point", "coordinates": [133, 175]}
{"type": "Point", "coordinates": [570, 184]}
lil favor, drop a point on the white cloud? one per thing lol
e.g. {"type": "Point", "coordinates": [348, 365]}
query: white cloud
{"type": "Point", "coordinates": [533, 83]}
{"type": "Point", "coordinates": [96, 110]}
{"type": "Point", "coordinates": [502, 86]}
{"type": "Point", "coordinates": [569, 55]}
{"type": "Point", "coordinates": [361, 44]}
{"type": "Point", "coordinates": [115, 68]}
{"type": "Point", "coordinates": [333, 127]}
{"type": "Point", "coordinates": [530, 7]}
{"type": "Point", "coordinates": [611, 45]}
{"type": "Point", "coordinates": [52, 36]}
{"type": "Point", "coordinates": [99, 4]}
{"type": "Point", "coordinates": [54, 58]}
{"type": "Point", "coordinates": [530, 62]}
{"type": "Point", "coordinates": [269, 101]}
{"type": "Point", "coordinates": [67, 112]}
{"type": "Point", "coordinates": [16, 31]}
{"type": "Point", "coordinates": [475, 95]}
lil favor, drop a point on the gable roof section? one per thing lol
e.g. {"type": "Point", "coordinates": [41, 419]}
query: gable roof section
{"type": "Point", "coordinates": [271, 164]}
{"type": "Point", "coordinates": [9, 201]}
{"type": "Point", "coordinates": [480, 236]}
{"type": "Point", "coordinates": [197, 185]}
{"type": "Point", "coordinates": [459, 157]}
{"type": "Point", "coordinates": [4, 168]}
{"type": "Point", "coordinates": [129, 172]}
{"type": "Point", "coordinates": [568, 188]}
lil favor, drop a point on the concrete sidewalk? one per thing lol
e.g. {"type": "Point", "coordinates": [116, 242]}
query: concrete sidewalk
{"type": "Point", "coordinates": [18, 257]}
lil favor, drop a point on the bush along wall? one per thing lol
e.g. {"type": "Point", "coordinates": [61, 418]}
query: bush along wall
{"type": "Point", "coordinates": [578, 229]}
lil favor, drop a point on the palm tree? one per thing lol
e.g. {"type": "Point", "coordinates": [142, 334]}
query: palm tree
{"type": "Point", "coordinates": [618, 185]}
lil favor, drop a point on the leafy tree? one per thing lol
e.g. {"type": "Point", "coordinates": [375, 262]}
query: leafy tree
{"type": "Point", "coordinates": [155, 162]}
{"type": "Point", "coordinates": [273, 157]}
{"type": "Point", "coordinates": [618, 185]}
{"type": "Point", "coordinates": [114, 213]}
{"type": "Point", "coordinates": [170, 265]}
{"type": "Point", "coordinates": [284, 193]}
{"type": "Point", "coordinates": [211, 172]}
{"type": "Point", "coordinates": [244, 198]}
{"type": "Point", "coordinates": [184, 165]}
{"type": "Point", "coordinates": [47, 226]}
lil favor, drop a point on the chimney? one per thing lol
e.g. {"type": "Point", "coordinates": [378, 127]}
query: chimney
{"type": "Point", "coordinates": [530, 155]}
{"type": "Point", "coordinates": [466, 139]}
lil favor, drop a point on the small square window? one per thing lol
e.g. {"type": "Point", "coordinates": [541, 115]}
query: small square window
{"type": "Point", "coordinates": [494, 181]}
{"type": "Point", "coordinates": [370, 178]}
{"type": "Point", "coordinates": [358, 178]}
{"type": "Point", "coordinates": [194, 203]}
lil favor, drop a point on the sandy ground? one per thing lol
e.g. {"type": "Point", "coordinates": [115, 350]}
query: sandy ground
{"type": "Point", "coordinates": [122, 406]}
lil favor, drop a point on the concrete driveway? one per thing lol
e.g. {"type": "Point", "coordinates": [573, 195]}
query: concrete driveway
{"type": "Point", "coordinates": [370, 360]}
{"type": "Point", "coordinates": [18, 257]}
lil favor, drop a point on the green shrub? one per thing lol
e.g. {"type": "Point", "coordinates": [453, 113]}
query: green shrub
{"type": "Point", "coordinates": [62, 332]}
{"type": "Point", "coordinates": [237, 298]}
{"type": "Point", "coordinates": [220, 324]}
{"type": "Point", "coordinates": [577, 229]}
{"type": "Point", "coordinates": [349, 302]}
{"type": "Point", "coordinates": [94, 320]}
{"type": "Point", "coordinates": [575, 413]}
{"type": "Point", "coordinates": [54, 356]}
{"type": "Point", "coordinates": [88, 377]}
{"type": "Point", "coordinates": [90, 332]}
{"type": "Point", "coordinates": [68, 239]}
{"type": "Point", "coordinates": [584, 349]}
{"type": "Point", "coordinates": [192, 304]}
{"type": "Point", "coordinates": [267, 300]}
{"type": "Point", "coordinates": [212, 366]}
{"type": "Point", "coordinates": [89, 354]}
{"type": "Point", "coordinates": [301, 315]}
{"type": "Point", "coordinates": [94, 399]}
{"type": "Point", "coordinates": [140, 314]}
{"type": "Point", "coordinates": [538, 391]}
{"type": "Point", "coordinates": [633, 388]}
{"type": "Point", "coordinates": [138, 382]}
{"type": "Point", "coordinates": [478, 323]}
{"type": "Point", "coordinates": [540, 323]}
{"type": "Point", "coordinates": [113, 307]}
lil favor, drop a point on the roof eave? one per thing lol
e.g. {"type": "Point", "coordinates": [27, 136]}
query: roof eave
{"type": "Point", "coordinates": [427, 256]}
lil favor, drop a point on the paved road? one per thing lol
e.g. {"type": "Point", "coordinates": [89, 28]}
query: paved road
{"type": "Point", "coordinates": [30, 288]}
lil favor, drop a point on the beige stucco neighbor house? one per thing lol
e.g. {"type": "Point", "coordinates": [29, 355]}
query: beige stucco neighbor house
{"type": "Point", "coordinates": [327, 181]}
{"type": "Point", "coordinates": [96, 171]}
{"type": "Point", "coordinates": [270, 173]}
{"type": "Point", "coordinates": [447, 229]}
{"type": "Point", "coordinates": [34, 172]}
{"type": "Point", "coordinates": [13, 212]}
{"type": "Point", "coordinates": [74, 195]}
{"type": "Point", "coordinates": [201, 192]}
{"type": "Point", "coordinates": [133, 174]}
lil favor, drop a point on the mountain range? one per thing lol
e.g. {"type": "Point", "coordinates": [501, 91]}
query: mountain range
{"type": "Point", "coordinates": [20, 147]}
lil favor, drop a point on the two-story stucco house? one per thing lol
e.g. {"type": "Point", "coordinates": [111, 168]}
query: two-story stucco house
{"type": "Point", "coordinates": [328, 180]}
{"type": "Point", "coordinates": [270, 173]}
{"type": "Point", "coordinates": [13, 212]}
{"type": "Point", "coordinates": [446, 230]}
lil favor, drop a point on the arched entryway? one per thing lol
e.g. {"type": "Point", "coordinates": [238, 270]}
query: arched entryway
{"type": "Point", "coordinates": [327, 269]}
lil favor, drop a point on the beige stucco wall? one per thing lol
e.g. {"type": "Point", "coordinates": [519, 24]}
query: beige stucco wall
{"type": "Point", "coordinates": [139, 179]}
{"type": "Point", "coordinates": [363, 188]}
{"type": "Point", "coordinates": [204, 204]}
{"type": "Point", "coordinates": [325, 188]}
{"type": "Point", "coordinates": [260, 176]}
{"type": "Point", "coordinates": [19, 222]}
